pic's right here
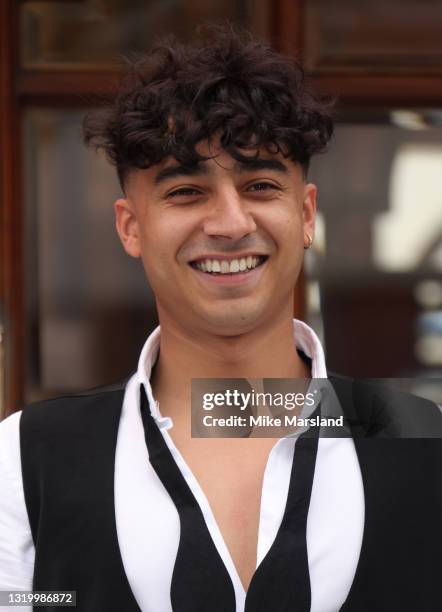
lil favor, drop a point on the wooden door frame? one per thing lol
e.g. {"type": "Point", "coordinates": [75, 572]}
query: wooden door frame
{"type": "Point", "coordinates": [11, 251]}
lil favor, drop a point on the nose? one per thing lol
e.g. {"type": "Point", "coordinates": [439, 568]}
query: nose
{"type": "Point", "coordinates": [228, 218]}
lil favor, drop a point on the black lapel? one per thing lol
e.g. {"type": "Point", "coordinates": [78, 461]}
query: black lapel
{"type": "Point", "coordinates": [282, 580]}
{"type": "Point", "coordinates": [200, 580]}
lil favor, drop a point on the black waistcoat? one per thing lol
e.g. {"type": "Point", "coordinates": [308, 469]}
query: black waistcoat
{"type": "Point", "coordinates": [68, 451]}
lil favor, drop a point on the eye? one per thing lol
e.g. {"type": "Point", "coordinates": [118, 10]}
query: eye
{"type": "Point", "coordinates": [262, 187]}
{"type": "Point", "coordinates": [183, 191]}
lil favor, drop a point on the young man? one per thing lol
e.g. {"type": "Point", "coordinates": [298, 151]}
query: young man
{"type": "Point", "coordinates": [107, 493]}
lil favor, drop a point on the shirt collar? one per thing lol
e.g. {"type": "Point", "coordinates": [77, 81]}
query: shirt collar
{"type": "Point", "coordinates": [304, 336]}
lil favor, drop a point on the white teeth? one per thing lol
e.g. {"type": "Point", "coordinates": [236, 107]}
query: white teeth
{"type": "Point", "coordinates": [234, 266]}
{"type": "Point", "coordinates": [228, 267]}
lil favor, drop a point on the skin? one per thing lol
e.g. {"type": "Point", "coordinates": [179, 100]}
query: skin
{"type": "Point", "coordinates": [211, 330]}
{"type": "Point", "coordinates": [221, 330]}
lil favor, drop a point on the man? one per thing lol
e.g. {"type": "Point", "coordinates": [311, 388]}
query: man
{"type": "Point", "coordinates": [107, 493]}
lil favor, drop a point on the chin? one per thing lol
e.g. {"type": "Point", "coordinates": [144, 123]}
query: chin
{"type": "Point", "coordinates": [233, 322]}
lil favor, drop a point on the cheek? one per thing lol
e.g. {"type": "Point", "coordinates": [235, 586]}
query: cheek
{"type": "Point", "coordinates": [161, 241]}
{"type": "Point", "coordinates": [292, 226]}
{"type": "Point", "coordinates": [285, 228]}
{"type": "Point", "coordinates": [286, 231]}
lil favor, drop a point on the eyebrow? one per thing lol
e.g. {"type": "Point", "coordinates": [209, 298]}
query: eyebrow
{"type": "Point", "coordinates": [201, 168]}
{"type": "Point", "coordinates": [261, 164]}
{"type": "Point", "coordinates": [180, 170]}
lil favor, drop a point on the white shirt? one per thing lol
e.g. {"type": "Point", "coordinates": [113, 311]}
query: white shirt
{"type": "Point", "coordinates": [147, 520]}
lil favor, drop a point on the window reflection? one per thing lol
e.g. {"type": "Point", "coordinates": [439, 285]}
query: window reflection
{"type": "Point", "coordinates": [381, 200]}
{"type": "Point", "coordinates": [406, 236]}
{"type": "Point", "coordinates": [88, 305]}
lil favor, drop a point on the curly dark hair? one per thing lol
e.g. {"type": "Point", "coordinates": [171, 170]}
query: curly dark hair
{"type": "Point", "coordinates": [231, 86]}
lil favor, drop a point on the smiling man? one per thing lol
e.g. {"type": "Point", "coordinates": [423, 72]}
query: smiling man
{"type": "Point", "coordinates": [107, 493]}
{"type": "Point", "coordinates": [222, 245]}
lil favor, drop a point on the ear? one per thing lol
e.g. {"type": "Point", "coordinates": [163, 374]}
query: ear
{"type": "Point", "coordinates": [127, 226]}
{"type": "Point", "coordinates": [309, 209]}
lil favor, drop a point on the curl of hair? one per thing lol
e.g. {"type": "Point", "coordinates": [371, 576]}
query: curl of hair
{"type": "Point", "coordinates": [233, 87]}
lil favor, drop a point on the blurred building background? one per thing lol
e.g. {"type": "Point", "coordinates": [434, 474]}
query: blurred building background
{"type": "Point", "coordinates": [75, 310]}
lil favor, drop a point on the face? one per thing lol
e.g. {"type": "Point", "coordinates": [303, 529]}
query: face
{"type": "Point", "coordinates": [222, 243]}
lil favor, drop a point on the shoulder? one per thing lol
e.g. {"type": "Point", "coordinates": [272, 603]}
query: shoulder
{"type": "Point", "coordinates": [16, 544]}
{"type": "Point", "coordinates": [10, 446]}
{"type": "Point", "coordinates": [62, 416]}
{"type": "Point", "coordinates": [380, 408]}
{"type": "Point", "coordinates": [73, 412]}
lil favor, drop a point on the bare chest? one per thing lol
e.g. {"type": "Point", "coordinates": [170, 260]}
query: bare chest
{"type": "Point", "coordinates": [231, 477]}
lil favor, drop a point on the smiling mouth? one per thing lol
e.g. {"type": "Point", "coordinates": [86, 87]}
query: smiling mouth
{"type": "Point", "coordinates": [219, 267]}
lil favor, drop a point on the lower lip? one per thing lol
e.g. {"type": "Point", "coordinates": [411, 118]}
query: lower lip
{"type": "Point", "coordinates": [238, 278]}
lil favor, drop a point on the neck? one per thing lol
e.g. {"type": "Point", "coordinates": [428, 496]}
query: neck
{"type": "Point", "coordinates": [265, 352]}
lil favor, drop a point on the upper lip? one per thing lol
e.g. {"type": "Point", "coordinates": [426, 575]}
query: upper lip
{"type": "Point", "coordinates": [229, 257]}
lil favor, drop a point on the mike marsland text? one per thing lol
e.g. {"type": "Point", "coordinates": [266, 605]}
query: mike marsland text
{"type": "Point", "coordinates": [269, 421]}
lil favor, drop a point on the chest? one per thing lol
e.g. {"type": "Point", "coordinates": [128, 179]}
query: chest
{"type": "Point", "coordinates": [231, 477]}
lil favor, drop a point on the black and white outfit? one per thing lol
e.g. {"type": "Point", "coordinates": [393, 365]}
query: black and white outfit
{"type": "Point", "coordinates": [96, 498]}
